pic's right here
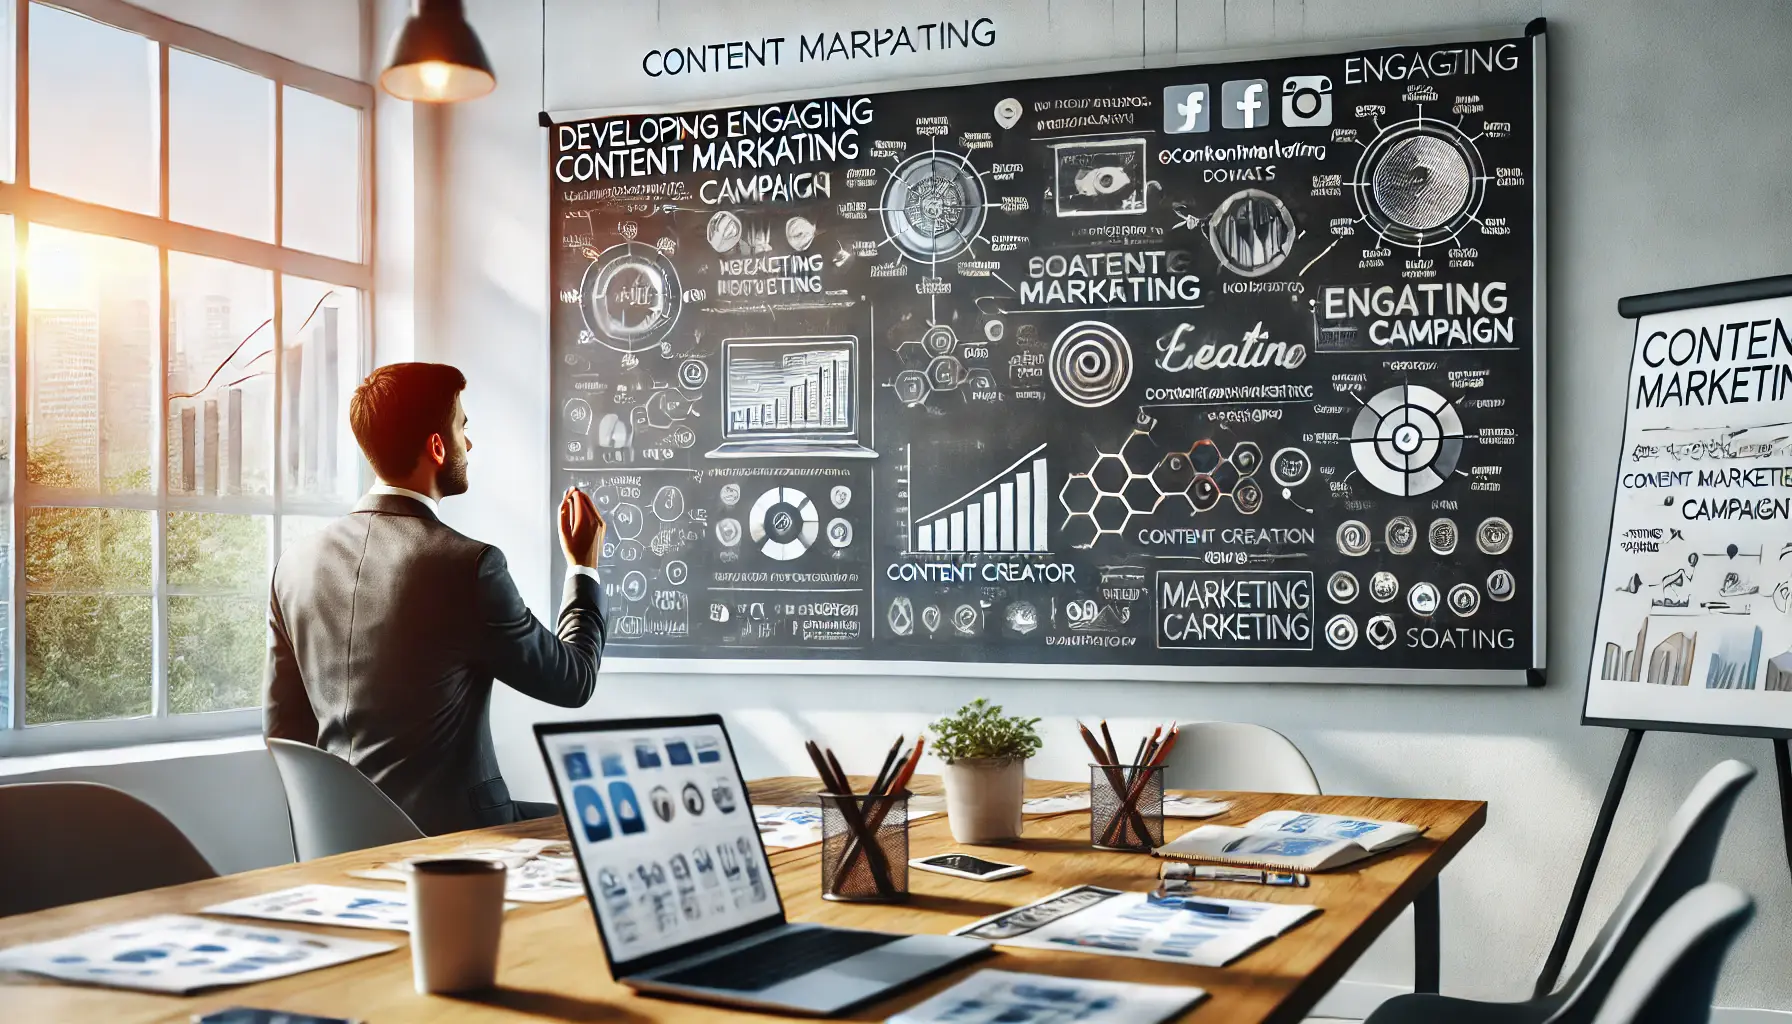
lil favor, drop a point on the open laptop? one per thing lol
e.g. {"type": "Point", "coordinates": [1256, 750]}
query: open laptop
{"type": "Point", "coordinates": [791, 396]}
{"type": "Point", "coordinates": [657, 812]}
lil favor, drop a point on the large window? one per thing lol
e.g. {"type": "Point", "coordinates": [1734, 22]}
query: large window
{"type": "Point", "coordinates": [185, 221]}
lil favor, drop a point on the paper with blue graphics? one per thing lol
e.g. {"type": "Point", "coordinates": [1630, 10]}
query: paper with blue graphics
{"type": "Point", "coordinates": [1210, 932]}
{"type": "Point", "coordinates": [178, 954]}
{"type": "Point", "coordinates": [380, 909]}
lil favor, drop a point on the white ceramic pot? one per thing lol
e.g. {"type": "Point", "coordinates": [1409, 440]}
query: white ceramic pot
{"type": "Point", "coordinates": [983, 798]}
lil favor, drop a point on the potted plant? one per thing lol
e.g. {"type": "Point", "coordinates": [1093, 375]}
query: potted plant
{"type": "Point", "coordinates": [986, 757]}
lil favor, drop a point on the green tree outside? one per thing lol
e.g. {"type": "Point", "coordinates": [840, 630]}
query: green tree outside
{"type": "Point", "coordinates": [89, 606]}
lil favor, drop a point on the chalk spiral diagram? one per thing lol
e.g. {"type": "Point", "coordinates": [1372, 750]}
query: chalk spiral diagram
{"type": "Point", "coordinates": [1090, 364]}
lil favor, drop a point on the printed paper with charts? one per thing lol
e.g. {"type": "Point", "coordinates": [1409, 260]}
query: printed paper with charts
{"type": "Point", "coordinates": [177, 954]}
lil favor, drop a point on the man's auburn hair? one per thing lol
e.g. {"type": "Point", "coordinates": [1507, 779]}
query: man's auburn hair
{"type": "Point", "coordinates": [397, 408]}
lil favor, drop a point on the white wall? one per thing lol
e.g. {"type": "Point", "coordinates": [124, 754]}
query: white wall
{"type": "Point", "coordinates": [326, 34]}
{"type": "Point", "coordinates": [1667, 165]}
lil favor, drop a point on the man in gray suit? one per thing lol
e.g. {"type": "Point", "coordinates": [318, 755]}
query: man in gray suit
{"type": "Point", "coordinates": [388, 626]}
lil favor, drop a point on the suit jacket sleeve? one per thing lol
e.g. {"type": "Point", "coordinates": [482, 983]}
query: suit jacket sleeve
{"type": "Point", "coordinates": [286, 708]}
{"type": "Point", "coordinates": [559, 667]}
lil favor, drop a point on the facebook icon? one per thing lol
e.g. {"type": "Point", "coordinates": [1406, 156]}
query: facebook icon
{"type": "Point", "coordinates": [1245, 103]}
{"type": "Point", "coordinates": [1186, 109]}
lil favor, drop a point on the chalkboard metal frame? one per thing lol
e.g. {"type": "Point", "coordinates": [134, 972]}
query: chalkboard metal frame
{"type": "Point", "coordinates": [1536, 676]}
{"type": "Point", "coordinates": [1636, 307]}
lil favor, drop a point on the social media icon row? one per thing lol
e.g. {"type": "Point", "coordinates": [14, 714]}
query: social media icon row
{"type": "Point", "coordinates": [703, 750]}
{"type": "Point", "coordinates": [1245, 103]}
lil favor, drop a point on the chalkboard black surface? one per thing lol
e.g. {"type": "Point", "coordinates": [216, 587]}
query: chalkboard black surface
{"type": "Point", "coordinates": [1202, 372]}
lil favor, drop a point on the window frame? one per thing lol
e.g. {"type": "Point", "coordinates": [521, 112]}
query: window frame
{"type": "Point", "coordinates": [28, 206]}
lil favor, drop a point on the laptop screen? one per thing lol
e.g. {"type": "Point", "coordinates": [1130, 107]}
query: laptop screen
{"type": "Point", "coordinates": [659, 820]}
{"type": "Point", "coordinates": [788, 387]}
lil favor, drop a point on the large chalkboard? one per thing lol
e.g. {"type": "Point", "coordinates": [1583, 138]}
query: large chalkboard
{"type": "Point", "coordinates": [1224, 371]}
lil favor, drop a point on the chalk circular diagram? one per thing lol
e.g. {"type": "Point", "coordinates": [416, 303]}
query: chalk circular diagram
{"type": "Point", "coordinates": [1090, 363]}
{"type": "Point", "coordinates": [1422, 599]}
{"type": "Point", "coordinates": [1342, 586]}
{"type": "Point", "coordinates": [1464, 600]}
{"type": "Point", "coordinates": [1247, 497]}
{"type": "Point", "coordinates": [1493, 536]}
{"type": "Point", "coordinates": [901, 616]}
{"type": "Point", "coordinates": [634, 586]}
{"type": "Point", "coordinates": [1340, 632]}
{"type": "Point", "coordinates": [839, 532]}
{"type": "Point", "coordinates": [1501, 585]}
{"type": "Point", "coordinates": [800, 233]}
{"type": "Point", "coordinates": [1401, 534]}
{"type": "Point", "coordinates": [965, 619]}
{"type": "Point", "coordinates": [724, 230]}
{"type": "Point", "coordinates": [784, 523]}
{"type": "Point", "coordinates": [1406, 440]}
{"type": "Point", "coordinates": [1442, 536]}
{"type": "Point", "coordinates": [1384, 586]}
{"type": "Point", "coordinates": [1252, 233]}
{"type": "Point", "coordinates": [630, 297]}
{"type": "Point", "coordinates": [627, 518]}
{"type": "Point", "coordinates": [1419, 182]}
{"type": "Point", "coordinates": [933, 206]}
{"type": "Point", "coordinates": [668, 504]}
{"type": "Point", "coordinates": [728, 532]}
{"type": "Point", "coordinates": [1353, 538]}
{"type": "Point", "coordinates": [1290, 467]}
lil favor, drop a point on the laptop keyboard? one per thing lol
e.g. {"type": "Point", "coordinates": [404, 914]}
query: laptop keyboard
{"type": "Point", "coordinates": [759, 967]}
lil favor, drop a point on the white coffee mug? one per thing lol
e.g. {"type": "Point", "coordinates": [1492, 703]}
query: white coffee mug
{"type": "Point", "coordinates": [457, 917]}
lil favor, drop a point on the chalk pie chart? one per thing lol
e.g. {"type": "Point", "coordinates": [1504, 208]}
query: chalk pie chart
{"type": "Point", "coordinates": [784, 523]}
{"type": "Point", "coordinates": [1406, 440]}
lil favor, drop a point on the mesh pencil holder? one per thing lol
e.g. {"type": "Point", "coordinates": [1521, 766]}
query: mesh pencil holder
{"type": "Point", "coordinates": [1117, 823]}
{"type": "Point", "coordinates": [852, 870]}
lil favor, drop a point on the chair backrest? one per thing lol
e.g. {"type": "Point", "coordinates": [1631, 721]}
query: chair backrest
{"type": "Point", "coordinates": [1672, 976]}
{"type": "Point", "coordinates": [65, 842]}
{"type": "Point", "coordinates": [1680, 862]}
{"type": "Point", "coordinates": [1240, 756]}
{"type": "Point", "coordinates": [334, 808]}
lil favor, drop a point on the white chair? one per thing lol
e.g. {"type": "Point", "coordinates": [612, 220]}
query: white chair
{"type": "Point", "coordinates": [1680, 862]}
{"type": "Point", "coordinates": [1673, 973]}
{"type": "Point", "coordinates": [333, 807]}
{"type": "Point", "coordinates": [1238, 756]}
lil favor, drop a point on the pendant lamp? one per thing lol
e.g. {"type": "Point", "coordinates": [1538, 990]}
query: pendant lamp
{"type": "Point", "coordinates": [436, 57]}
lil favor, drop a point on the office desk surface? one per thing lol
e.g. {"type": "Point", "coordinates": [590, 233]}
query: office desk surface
{"type": "Point", "coordinates": [552, 968]}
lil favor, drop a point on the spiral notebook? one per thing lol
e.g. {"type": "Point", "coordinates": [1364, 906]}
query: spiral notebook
{"type": "Point", "coordinates": [1291, 841]}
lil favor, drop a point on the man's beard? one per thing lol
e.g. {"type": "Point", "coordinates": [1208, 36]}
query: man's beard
{"type": "Point", "coordinates": [451, 479]}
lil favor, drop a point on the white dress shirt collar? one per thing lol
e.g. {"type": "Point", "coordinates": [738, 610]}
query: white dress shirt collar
{"type": "Point", "coordinates": [405, 492]}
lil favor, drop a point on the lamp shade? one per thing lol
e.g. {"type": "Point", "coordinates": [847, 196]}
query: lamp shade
{"type": "Point", "coordinates": [436, 57]}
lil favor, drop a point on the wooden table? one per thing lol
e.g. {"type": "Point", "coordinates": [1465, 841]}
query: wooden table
{"type": "Point", "coordinates": [552, 968]}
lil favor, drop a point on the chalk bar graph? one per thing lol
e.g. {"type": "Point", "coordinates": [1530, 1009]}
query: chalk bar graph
{"type": "Point", "coordinates": [1005, 513]}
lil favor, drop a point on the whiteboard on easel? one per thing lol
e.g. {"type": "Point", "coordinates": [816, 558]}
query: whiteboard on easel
{"type": "Point", "coordinates": [1695, 612]}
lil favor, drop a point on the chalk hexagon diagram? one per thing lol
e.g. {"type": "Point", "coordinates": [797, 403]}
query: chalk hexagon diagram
{"type": "Point", "coordinates": [1141, 476]}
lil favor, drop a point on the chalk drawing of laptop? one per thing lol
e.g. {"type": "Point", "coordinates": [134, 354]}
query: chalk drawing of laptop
{"type": "Point", "coordinates": [790, 396]}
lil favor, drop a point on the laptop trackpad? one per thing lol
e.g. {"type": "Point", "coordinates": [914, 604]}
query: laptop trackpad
{"type": "Point", "coordinates": [899, 961]}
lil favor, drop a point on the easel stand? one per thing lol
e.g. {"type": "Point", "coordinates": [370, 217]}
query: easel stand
{"type": "Point", "coordinates": [1602, 827]}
